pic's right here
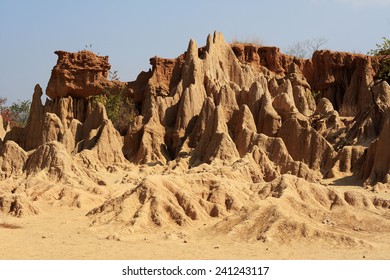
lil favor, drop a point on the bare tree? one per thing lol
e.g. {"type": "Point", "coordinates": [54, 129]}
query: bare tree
{"type": "Point", "coordinates": [299, 49]}
{"type": "Point", "coordinates": [316, 44]}
{"type": "Point", "coordinates": [306, 48]}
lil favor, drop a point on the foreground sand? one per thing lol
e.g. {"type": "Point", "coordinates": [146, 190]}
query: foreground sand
{"type": "Point", "coordinates": [65, 233]}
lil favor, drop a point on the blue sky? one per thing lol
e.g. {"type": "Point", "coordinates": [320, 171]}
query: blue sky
{"type": "Point", "coordinates": [131, 32]}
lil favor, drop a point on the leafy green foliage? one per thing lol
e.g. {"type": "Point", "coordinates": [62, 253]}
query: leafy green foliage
{"type": "Point", "coordinates": [16, 114]}
{"type": "Point", "coordinates": [381, 49]}
{"type": "Point", "coordinates": [120, 109]}
{"type": "Point", "coordinates": [384, 64]}
{"type": "Point", "coordinates": [20, 111]}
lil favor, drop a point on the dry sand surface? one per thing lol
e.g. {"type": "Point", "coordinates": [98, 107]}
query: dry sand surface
{"type": "Point", "coordinates": [65, 232]}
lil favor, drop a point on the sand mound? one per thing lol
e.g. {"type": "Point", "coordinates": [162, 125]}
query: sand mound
{"type": "Point", "coordinates": [286, 210]}
{"type": "Point", "coordinates": [52, 160]}
{"type": "Point", "coordinates": [290, 209]}
{"type": "Point", "coordinates": [166, 201]}
{"type": "Point", "coordinates": [17, 205]}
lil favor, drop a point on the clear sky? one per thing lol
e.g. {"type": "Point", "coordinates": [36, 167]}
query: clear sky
{"type": "Point", "coordinates": [131, 32]}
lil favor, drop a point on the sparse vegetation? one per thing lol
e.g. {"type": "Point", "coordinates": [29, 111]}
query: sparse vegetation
{"type": "Point", "coordinates": [113, 75]}
{"type": "Point", "coordinates": [315, 94]}
{"type": "Point", "coordinates": [89, 47]}
{"type": "Point", "coordinates": [252, 41]}
{"type": "Point", "coordinates": [16, 114]}
{"type": "Point", "coordinates": [120, 109]}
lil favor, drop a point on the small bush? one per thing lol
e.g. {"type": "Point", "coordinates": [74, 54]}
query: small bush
{"type": "Point", "coordinates": [120, 109]}
{"type": "Point", "coordinates": [315, 94]}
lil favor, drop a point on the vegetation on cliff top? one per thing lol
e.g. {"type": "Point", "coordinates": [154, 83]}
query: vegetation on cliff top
{"type": "Point", "coordinates": [384, 65]}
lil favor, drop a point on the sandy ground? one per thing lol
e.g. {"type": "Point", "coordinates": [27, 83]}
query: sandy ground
{"type": "Point", "coordinates": [64, 233]}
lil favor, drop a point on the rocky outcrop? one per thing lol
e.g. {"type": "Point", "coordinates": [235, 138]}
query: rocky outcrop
{"type": "Point", "coordinates": [165, 75]}
{"type": "Point", "coordinates": [195, 115]}
{"type": "Point", "coordinates": [269, 122]}
{"type": "Point", "coordinates": [349, 161]}
{"type": "Point", "coordinates": [78, 124]}
{"type": "Point", "coordinates": [219, 103]}
{"type": "Point", "coordinates": [215, 142]}
{"type": "Point", "coordinates": [264, 56]}
{"type": "Point", "coordinates": [17, 205]}
{"type": "Point", "coordinates": [52, 159]}
{"type": "Point", "coordinates": [306, 145]}
{"type": "Point", "coordinates": [108, 144]}
{"type": "Point", "coordinates": [269, 153]}
{"type": "Point", "coordinates": [376, 165]}
{"type": "Point", "coordinates": [2, 130]}
{"type": "Point", "coordinates": [12, 160]}
{"type": "Point", "coordinates": [326, 121]}
{"type": "Point", "coordinates": [240, 138]}
{"type": "Point", "coordinates": [343, 78]}
{"type": "Point", "coordinates": [80, 74]}
{"type": "Point", "coordinates": [30, 136]}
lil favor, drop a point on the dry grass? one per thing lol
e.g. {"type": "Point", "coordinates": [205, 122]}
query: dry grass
{"type": "Point", "coordinates": [251, 41]}
{"type": "Point", "coordinates": [9, 226]}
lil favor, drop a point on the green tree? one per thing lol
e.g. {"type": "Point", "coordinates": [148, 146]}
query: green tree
{"type": "Point", "coordinates": [20, 111]}
{"type": "Point", "coordinates": [120, 109]}
{"type": "Point", "coordinates": [383, 50]}
{"type": "Point", "coordinates": [16, 114]}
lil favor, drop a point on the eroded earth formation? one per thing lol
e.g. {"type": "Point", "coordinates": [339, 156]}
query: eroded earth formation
{"type": "Point", "coordinates": [243, 138]}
